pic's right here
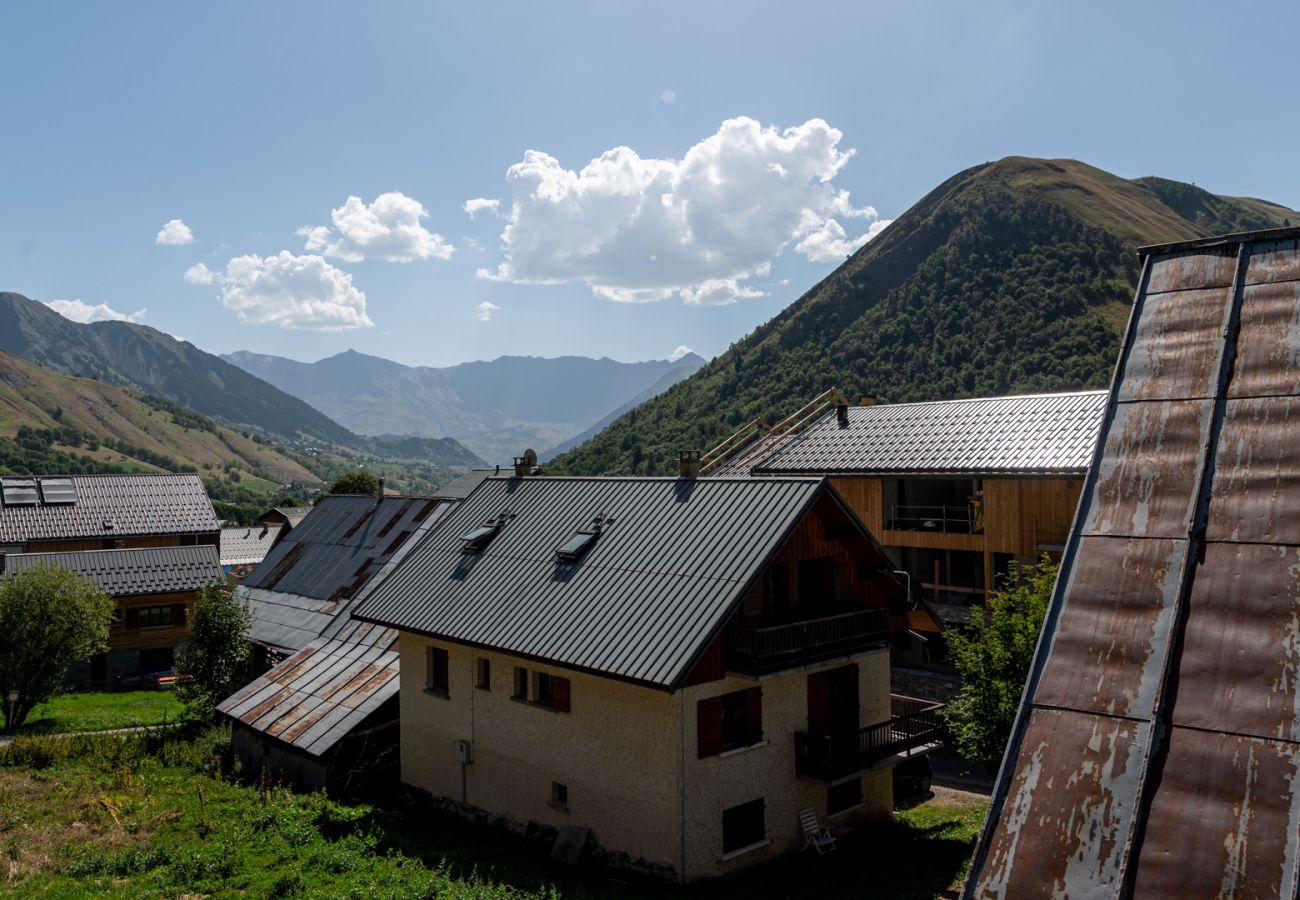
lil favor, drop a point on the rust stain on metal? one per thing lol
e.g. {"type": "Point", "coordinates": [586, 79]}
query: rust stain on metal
{"type": "Point", "coordinates": [265, 706]}
{"type": "Point", "coordinates": [1192, 269]}
{"type": "Point", "coordinates": [1268, 350]}
{"type": "Point", "coordinates": [1147, 472]}
{"type": "Point", "coordinates": [1224, 823]}
{"type": "Point", "coordinates": [1274, 261]}
{"type": "Point", "coordinates": [1176, 347]}
{"type": "Point", "coordinates": [1241, 655]}
{"type": "Point", "coordinates": [1257, 473]}
{"type": "Point", "coordinates": [1114, 627]}
{"type": "Point", "coordinates": [355, 680]}
{"type": "Point", "coordinates": [1068, 809]}
{"type": "Point", "coordinates": [287, 671]}
{"type": "Point", "coordinates": [304, 722]}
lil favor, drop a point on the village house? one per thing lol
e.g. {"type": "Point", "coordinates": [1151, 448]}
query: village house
{"type": "Point", "coordinates": [322, 710]}
{"type": "Point", "coordinates": [150, 541]}
{"type": "Point", "coordinates": [955, 490]}
{"type": "Point", "coordinates": [680, 666]}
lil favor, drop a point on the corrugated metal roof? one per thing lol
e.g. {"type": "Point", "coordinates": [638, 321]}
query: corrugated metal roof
{"type": "Point", "coordinates": [247, 546]}
{"type": "Point", "coordinates": [309, 578]}
{"type": "Point", "coordinates": [1040, 434]}
{"type": "Point", "coordinates": [463, 486]}
{"type": "Point", "coordinates": [114, 506]}
{"type": "Point", "coordinates": [292, 515]}
{"type": "Point", "coordinates": [666, 571]}
{"type": "Point", "coordinates": [124, 573]}
{"type": "Point", "coordinates": [1158, 751]}
{"type": "Point", "coordinates": [315, 697]}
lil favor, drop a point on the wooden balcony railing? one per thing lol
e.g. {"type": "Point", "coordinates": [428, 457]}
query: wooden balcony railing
{"type": "Point", "coordinates": [757, 651]}
{"type": "Point", "coordinates": [912, 724]}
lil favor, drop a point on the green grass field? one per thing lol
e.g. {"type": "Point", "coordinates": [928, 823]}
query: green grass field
{"type": "Point", "coordinates": [102, 711]}
{"type": "Point", "coordinates": [151, 815]}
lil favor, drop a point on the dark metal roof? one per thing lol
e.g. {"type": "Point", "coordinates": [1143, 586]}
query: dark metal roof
{"type": "Point", "coordinates": [315, 697]}
{"type": "Point", "coordinates": [462, 487]}
{"type": "Point", "coordinates": [124, 573]}
{"type": "Point", "coordinates": [247, 546]}
{"type": "Point", "coordinates": [307, 579]}
{"type": "Point", "coordinates": [1157, 753]}
{"type": "Point", "coordinates": [1040, 434]}
{"type": "Point", "coordinates": [114, 506]}
{"type": "Point", "coordinates": [672, 559]}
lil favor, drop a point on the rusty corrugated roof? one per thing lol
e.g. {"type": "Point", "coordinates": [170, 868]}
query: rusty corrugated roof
{"type": "Point", "coordinates": [1157, 752]}
{"type": "Point", "coordinates": [1039, 434]}
{"type": "Point", "coordinates": [247, 546]}
{"type": "Point", "coordinates": [131, 572]}
{"type": "Point", "coordinates": [109, 506]}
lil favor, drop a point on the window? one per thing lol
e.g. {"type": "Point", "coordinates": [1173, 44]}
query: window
{"type": "Point", "coordinates": [559, 795]}
{"type": "Point", "coordinates": [436, 676]}
{"type": "Point", "coordinates": [573, 549]}
{"type": "Point", "coordinates": [18, 491]}
{"type": "Point", "coordinates": [483, 674]}
{"type": "Point", "coordinates": [153, 616]}
{"type": "Point", "coordinates": [729, 722]}
{"type": "Point", "coordinates": [843, 796]}
{"type": "Point", "coordinates": [742, 826]}
{"type": "Point", "coordinates": [477, 538]}
{"type": "Point", "coordinates": [549, 691]}
{"type": "Point", "coordinates": [58, 490]}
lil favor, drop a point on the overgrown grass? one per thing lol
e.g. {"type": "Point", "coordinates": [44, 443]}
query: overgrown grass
{"type": "Point", "coordinates": [152, 814]}
{"type": "Point", "coordinates": [102, 711]}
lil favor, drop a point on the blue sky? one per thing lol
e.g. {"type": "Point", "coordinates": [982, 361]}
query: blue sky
{"type": "Point", "coordinates": [252, 122]}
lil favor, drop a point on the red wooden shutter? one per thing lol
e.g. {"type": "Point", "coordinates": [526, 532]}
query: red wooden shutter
{"type": "Point", "coordinates": [178, 615]}
{"type": "Point", "coordinates": [817, 705]}
{"type": "Point", "coordinates": [755, 716]}
{"type": "Point", "coordinates": [708, 720]}
{"type": "Point", "coordinates": [560, 694]}
{"type": "Point", "coordinates": [133, 617]}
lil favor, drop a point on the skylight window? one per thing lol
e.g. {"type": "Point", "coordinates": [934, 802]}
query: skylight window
{"type": "Point", "coordinates": [18, 491]}
{"type": "Point", "coordinates": [478, 538]}
{"type": "Point", "coordinates": [581, 541]}
{"type": "Point", "coordinates": [58, 490]}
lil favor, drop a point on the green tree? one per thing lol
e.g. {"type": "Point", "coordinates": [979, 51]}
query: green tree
{"type": "Point", "coordinates": [209, 664]}
{"type": "Point", "coordinates": [355, 483]}
{"type": "Point", "coordinates": [50, 618]}
{"type": "Point", "coordinates": [993, 656]}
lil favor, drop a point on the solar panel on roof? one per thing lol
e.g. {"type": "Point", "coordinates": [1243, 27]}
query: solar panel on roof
{"type": "Point", "coordinates": [58, 490]}
{"type": "Point", "coordinates": [18, 491]}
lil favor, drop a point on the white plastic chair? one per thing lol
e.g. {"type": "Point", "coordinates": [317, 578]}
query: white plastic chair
{"type": "Point", "coordinates": [814, 834]}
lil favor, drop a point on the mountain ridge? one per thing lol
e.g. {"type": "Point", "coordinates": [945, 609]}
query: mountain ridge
{"type": "Point", "coordinates": [1009, 276]}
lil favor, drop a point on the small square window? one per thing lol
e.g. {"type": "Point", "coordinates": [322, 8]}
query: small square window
{"type": "Point", "coordinates": [521, 683]}
{"type": "Point", "coordinates": [559, 795]}
{"type": "Point", "coordinates": [437, 679]}
{"type": "Point", "coordinates": [743, 826]}
{"type": "Point", "coordinates": [483, 674]}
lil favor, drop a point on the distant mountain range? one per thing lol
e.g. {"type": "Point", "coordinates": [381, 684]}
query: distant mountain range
{"type": "Point", "coordinates": [1010, 277]}
{"type": "Point", "coordinates": [157, 364]}
{"type": "Point", "coordinates": [497, 408]}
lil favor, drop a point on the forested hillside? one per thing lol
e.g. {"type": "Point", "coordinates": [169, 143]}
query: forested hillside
{"type": "Point", "coordinates": [1010, 277]}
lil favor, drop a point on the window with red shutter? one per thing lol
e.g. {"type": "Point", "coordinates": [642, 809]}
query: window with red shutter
{"type": "Point", "coordinates": [730, 722]}
{"type": "Point", "coordinates": [559, 694]}
{"type": "Point", "coordinates": [708, 717]}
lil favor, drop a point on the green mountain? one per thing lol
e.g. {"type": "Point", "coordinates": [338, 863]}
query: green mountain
{"type": "Point", "coordinates": [1010, 277]}
{"type": "Point", "coordinates": [145, 359]}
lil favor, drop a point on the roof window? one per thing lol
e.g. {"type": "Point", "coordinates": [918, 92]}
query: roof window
{"type": "Point", "coordinates": [478, 538]}
{"type": "Point", "coordinates": [18, 491]}
{"type": "Point", "coordinates": [58, 490]}
{"type": "Point", "coordinates": [581, 541]}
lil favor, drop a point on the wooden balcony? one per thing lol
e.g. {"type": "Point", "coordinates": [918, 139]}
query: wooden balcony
{"type": "Point", "coordinates": [913, 724]}
{"type": "Point", "coordinates": [757, 651]}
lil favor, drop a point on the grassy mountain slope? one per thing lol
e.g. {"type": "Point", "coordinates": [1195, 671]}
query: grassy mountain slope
{"type": "Point", "coordinates": [142, 430]}
{"type": "Point", "coordinates": [1009, 277]}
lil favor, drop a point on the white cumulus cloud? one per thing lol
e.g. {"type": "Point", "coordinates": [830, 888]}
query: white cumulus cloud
{"type": "Point", "coordinates": [387, 229]}
{"type": "Point", "coordinates": [830, 243]}
{"type": "Point", "coordinates": [199, 274]}
{"type": "Point", "coordinates": [677, 354]}
{"type": "Point", "coordinates": [304, 292]}
{"type": "Point", "coordinates": [175, 233]}
{"type": "Point", "coordinates": [84, 313]}
{"type": "Point", "coordinates": [485, 310]}
{"type": "Point", "coordinates": [479, 204]}
{"type": "Point", "coordinates": [640, 230]}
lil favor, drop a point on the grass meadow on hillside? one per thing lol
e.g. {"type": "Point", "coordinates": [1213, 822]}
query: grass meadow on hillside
{"type": "Point", "coordinates": [102, 711]}
{"type": "Point", "coordinates": [149, 815]}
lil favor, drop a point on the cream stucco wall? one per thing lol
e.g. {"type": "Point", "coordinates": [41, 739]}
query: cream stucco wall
{"type": "Point", "coordinates": [627, 754]}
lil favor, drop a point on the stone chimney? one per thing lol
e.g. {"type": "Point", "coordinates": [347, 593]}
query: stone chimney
{"type": "Point", "coordinates": [688, 463]}
{"type": "Point", "coordinates": [526, 464]}
{"type": "Point", "coordinates": [842, 413]}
